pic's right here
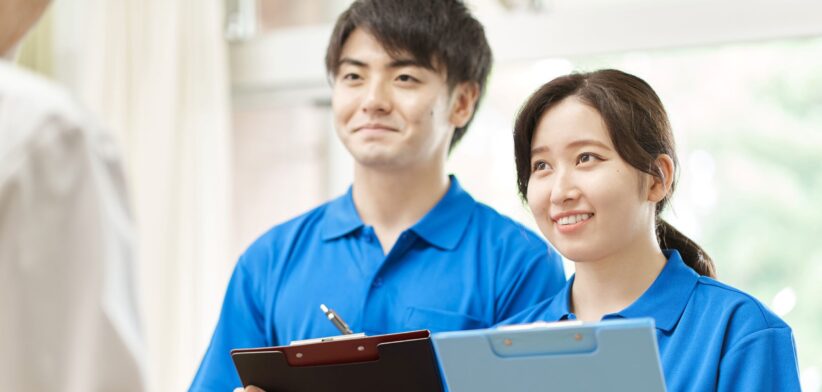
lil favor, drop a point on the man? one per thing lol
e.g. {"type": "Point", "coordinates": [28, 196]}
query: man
{"type": "Point", "coordinates": [406, 248]}
{"type": "Point", "coordinates": [67, 306]}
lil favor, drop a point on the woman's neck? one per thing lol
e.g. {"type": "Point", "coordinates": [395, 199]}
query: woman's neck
{"type": "Point", "coordinates": [612, 283]}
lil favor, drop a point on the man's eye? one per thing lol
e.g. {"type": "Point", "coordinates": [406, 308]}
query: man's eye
{"type": "Point", "coordinates": [351, 76]}
{"type": "Point", "coordinates": [406, 78]}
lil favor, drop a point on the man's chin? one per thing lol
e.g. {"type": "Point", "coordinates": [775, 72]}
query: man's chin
{"type": "Point", "coordinates": [377, 163]}
{"type": "Point", "coordinates": [377, 160]}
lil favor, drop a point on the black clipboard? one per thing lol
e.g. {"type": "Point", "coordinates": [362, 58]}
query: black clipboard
{"type": "Point", "coordinates": [393, 362]}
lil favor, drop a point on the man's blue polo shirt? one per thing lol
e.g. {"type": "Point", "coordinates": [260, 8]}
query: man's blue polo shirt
{"type": "Point", "coordinates": [462, 266]}
{"type": "Point", "coordinates": [712, 337]}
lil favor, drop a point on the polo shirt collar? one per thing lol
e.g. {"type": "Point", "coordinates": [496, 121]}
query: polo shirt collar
{"type": "Point", "coordinates": [341, 217]}
{"type": "Point", "coordinates": [446, 223]}
{"type": "Point", "coordinates": [442, 227]}
{"type": "Point", "coordinates": [664, 301]}
{"type": "Point", "coordinates": [560, 307]}
{"type": "Point", "coordinates": [667, 297]}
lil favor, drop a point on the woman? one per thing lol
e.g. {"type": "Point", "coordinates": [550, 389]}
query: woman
{"type": "Point", "coordinates": [596, 163]}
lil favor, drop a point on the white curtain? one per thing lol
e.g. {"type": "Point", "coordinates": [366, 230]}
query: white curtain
{"type": "Point", "coordinates": [156, 72]}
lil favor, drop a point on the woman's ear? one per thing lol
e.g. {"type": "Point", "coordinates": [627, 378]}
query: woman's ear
{"type": "Point", "coordinates": [660, 187]}
{"type": "Point", "coordinates": [464, 101]}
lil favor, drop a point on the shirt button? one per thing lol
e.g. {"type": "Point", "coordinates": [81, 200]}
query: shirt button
{"type": "Point", "coordinates": [377, 282]}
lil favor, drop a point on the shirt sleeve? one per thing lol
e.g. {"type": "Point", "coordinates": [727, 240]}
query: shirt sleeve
{"type": "Point", "coordinates": [762, 361]}
{"type": "Point", "coordinates": [530, 273]}
{"type": "Point", "coordinates": [241, 325]}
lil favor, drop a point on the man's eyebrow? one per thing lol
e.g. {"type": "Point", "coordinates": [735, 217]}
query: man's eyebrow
{"type": "Point", "coordinates": [350, 61]}
{"type": "Point", "coordinates": [397, 63]}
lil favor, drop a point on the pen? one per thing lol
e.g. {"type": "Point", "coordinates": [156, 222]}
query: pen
{"type": "Point", "coordinates": [336, 320]}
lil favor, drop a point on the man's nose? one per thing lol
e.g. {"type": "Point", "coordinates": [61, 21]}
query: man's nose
{"type": "Point", "coordinates": [377, 99]}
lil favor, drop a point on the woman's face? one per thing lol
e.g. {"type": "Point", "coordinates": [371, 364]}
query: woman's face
{"type": "Point", "coordinates": [587, 201]}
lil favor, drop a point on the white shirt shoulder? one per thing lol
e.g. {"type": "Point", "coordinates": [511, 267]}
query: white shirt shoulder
{"type": "Point", "coordinates": [68, 313]}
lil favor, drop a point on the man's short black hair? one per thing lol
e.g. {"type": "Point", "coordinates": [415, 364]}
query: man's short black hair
{"type": "Point", "coordinates": [435, 33]}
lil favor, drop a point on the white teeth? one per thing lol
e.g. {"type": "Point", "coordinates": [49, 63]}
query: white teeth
{"type": "Point", "coordinates": [570, 220]}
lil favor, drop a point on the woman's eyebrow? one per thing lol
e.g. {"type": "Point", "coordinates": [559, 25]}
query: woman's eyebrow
{"type": "Point", "coordinates": [539, 149]}
{"type": "Point", "coordinates": [588, 142]}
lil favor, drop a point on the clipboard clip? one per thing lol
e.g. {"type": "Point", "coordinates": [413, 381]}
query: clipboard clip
{"type": "Point", "coordinates": [541, 325]}
{"type": "Point", "coordinates": [543, 338]}
{"type": "Point", "coordinates": [327, 339]}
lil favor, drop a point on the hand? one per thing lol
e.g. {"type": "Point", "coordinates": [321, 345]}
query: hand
{"type": "Point", "coordinates": [249, 388]}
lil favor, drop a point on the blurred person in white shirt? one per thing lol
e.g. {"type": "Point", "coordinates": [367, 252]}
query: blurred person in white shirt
{"type": "Point", "coordinates": [68, 314]}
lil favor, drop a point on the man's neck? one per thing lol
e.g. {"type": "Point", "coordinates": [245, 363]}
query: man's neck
{"type": "Point", "coordinates": [612, 284]}
{"type": "Point", "coordinates": [392, 201]}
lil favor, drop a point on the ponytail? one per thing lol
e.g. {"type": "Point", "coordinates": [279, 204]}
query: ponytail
{"type": "Point", "coordinates": [693, 255]}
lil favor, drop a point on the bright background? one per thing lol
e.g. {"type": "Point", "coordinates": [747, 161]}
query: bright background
{"type": "Point", "coordinates": [222, 111]}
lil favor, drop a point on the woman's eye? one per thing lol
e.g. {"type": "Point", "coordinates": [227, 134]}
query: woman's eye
{"type": "Point", "coordinates": [540, 165]}
{"type": "Point", "coordinates": [585, 157]}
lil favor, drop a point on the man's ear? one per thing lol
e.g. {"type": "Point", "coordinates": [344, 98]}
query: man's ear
{"type": "Point", "coordinates": [661, 187]}
{"type": "Point", "coordinates": [465, 97]}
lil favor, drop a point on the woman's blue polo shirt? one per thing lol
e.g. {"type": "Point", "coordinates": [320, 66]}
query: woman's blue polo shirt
{"type": "Point", "coordinates": [462, 266]}
{"type": "Point", "coordinates": [712, 337]}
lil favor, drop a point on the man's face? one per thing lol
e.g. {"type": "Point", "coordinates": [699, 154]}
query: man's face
{"type": "Point", "coordinates": [390, 112]}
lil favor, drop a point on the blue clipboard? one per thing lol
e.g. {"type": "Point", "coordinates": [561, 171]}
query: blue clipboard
{"type": "Point", "coordinates": [611, 355]}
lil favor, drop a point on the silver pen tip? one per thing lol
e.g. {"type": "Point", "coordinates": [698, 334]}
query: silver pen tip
{"type": "Point", "coordinates": [324, 308]}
